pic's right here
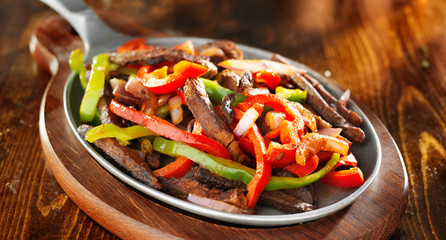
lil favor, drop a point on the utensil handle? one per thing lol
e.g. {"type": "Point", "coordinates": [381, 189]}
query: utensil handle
{"type": "Point", "coordinates": [95, 34]}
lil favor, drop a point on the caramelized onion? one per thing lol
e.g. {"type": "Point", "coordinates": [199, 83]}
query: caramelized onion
{"type": "Point", "coordinates": [332, 132]}
{"type": "Point", "coordinates": [176, 112]}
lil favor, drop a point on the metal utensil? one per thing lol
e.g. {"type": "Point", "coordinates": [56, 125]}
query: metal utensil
{"type": "Point", "coordinates": [95, 34]}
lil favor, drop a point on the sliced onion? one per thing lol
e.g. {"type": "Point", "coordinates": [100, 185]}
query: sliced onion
{"type": "Point", "coordinates": [164, 98]}
{"type": "Point", "coordinates": [150, 105]}
{"type": "Point", "coordinates": [344, 98]}
{"type": "Point", "coordinates": [146, 146]}
{"type": "Point", "coordinates": [176, 112]}
{"type": "Point", "coordinates": [247, 120]}
{"type": "Point", "coordinates": [332, 132]}
{"type": "Point", "coordinates": [119, 91]}
{"type": "Point", "coordinates": [217, 205]}
{"type": "Point", "coordinates": [273, 119]}
{"type": "Point", "coordinates": [135, 87]}
{"type": "Point", "coordinates": [115, 83]}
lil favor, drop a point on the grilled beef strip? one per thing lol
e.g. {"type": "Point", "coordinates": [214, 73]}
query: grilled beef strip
{"type": "Point", "coordinates": [240, 83]}
{"type": "Point", "coordinates": [234, 196]}
{"type": "Point", "coordinates": [290, 200]}
{"type": "Point", "coordinates": [305, 194]}
{"type": "Point", "coordinates": [161, 54]}
{"type": "Point", "coordinates": [212, 180]}
{"type": "Point", "coordinates": [316, 101]}
{"type": "Point", "coordinates": [235, 82]}
{"type": "Point", "coordinates": [279, 58]}
{"type": "Point", "coordinates": [284, 202]}
{"type": "Point", "coordinates": [183, 187]}
{"type": "Point", "coordinates": [213, 125]}
{"type": "Point", "coordinates": [106, 115]}
{"type": "Point", "coordinates": [349, 115]}
{"type": "Point", "coordinates": [127, 158]}
{"type": "Point", "coordinates": [226, 108]}
{"type": "Point", "coordinates": [220, 50]}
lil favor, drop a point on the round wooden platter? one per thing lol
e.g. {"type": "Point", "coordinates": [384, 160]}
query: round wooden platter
{"type": "Point", "coordinates": [132, 215]}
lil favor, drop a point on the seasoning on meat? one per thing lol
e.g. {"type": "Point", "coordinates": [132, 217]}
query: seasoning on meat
{"type": "Point", "coordinates": [213, 125]}
{"type": "Point", "coordinates": [162, 54]}
{"type": "Point", "coordinates": [321, 107]}
{"type": "Point", "coordinates": [125, 157]}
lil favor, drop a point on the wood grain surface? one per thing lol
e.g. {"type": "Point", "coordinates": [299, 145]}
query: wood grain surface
{"type": "Point", "coordinates": [389, 53]}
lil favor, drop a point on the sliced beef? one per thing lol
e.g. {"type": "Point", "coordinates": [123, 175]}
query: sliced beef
{"type": "Point", "coordinates": [285, 202]}
{"type": "Point", "coordinates": [220, 50]}
{"type": "Point", "coordinates": [213, 125]}
{"type": "Point", "coordinates": [191, 189]}
{"type": "Point", "coordinates": [161, 54]}
{"type": "Point", "coordinates": [291, 200]}
{"type": "Point", "coordinates": [316, 101]}
{"type": "Point", "coordinates": [182, 187]}
{"type": "Point", "coordinates": [226, 108]}
{"type": "Point", "coordinates": [127, 158]}
{"type": "Point", "coordinates": [212, 180]}
{"type": "Point", "coordinates": [106, 115]}
{"type": "Point", "coordinates": [235, 82]}
{"type": "Point", "coordinates": [349, 115]}
{"type": "Point", "coordinates": [279, 58]}
{"type": "Point", "coordinates": [235, 196]}
{"type": "Point", "coordinates": [153, 159]}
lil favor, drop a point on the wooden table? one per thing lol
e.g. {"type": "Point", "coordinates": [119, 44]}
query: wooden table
{"type": "Point", "coordinates": [389, 54]}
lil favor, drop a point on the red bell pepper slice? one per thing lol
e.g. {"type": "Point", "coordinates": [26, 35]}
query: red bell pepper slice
{"type": "Point", "coordinates": [181, 166]}
{"type": "Point", "coordinates": [350, 178]}
{"type": "Point", "coordinates": [281, 155]}
{"type": "Point", "coordinates": [349, 160]}
{"type": "Point", "coordinates": [263, 168]}
{"type": "Point", "coordinates": [177, 169]}
{"type": "Point", "coordinates": [246, 145]}
{"type": "Point", "coordinates": [180, 94]}
{"type": "Point", "coordinates": [134, 44]}
{"type": "Point", "coordinates": [290, 133]}
{"type": "Point", "coordinates": [277, 103]}
{"type": "Point", "coordinates": [270, 78]}
{"type": "Point", "coordinates": [166, 129]}
{"type": "Point", "coordinates": [187, 46]}
{"type": "Point", "coordinates": [302, 171]}
{"type": "Point", "coordinates": [183, 70]}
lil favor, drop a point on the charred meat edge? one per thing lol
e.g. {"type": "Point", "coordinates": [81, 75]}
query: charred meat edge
{"type": "Point", "coordinates": [289, 201]}
{"type": "Point", "coordinates": [127, 158]}
{"type": "Point", "coordinates": [213, 125]}
{"type": "Point", "coordinates": [349, 115]}
{"type": "Point", "coordinates": [316, 101]}
{"type": "Point", "coordinates": [183, 187]}
{"type": "Point", "coordinates": [220, 50]}
{"type": "Point", "coordinates": [161, 54]}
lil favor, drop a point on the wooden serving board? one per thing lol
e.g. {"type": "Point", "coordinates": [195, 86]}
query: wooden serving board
{"type": "Point", "coordinates": [132, 215]}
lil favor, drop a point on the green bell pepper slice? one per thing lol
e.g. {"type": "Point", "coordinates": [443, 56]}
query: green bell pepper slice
{"type": "Point", "coordinates": [123, 135]}
{"type": "Point", "coordinates": [236, 171]}
{"type": "Point", "coordinates": [94, 87]}
{"type": "Point", "coordinates": [216, 92]}
{"type": "Point", "coordinates": [295, 95]}
{"type": "Point", "coordinates": [76, 64]}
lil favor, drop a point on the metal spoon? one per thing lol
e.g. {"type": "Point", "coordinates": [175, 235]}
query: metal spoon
{"type": "Point", "coordinates": [96, 36]}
